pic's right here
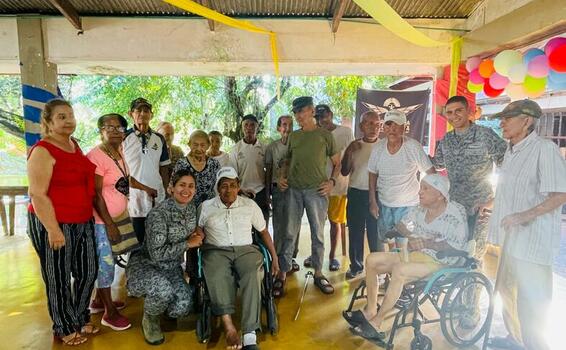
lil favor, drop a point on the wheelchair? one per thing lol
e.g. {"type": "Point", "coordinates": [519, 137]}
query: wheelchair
{"type": "Point", "coordinates": [445, 290]}
{"type": "Point", "coordinates": [205, 319]}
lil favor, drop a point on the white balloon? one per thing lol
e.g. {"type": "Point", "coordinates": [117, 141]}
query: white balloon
{"type": "Point", "coordinates": [517, 73]}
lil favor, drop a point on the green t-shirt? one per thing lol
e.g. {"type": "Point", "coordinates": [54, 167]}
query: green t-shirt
{"type": "Point", "coordinates": [308, 153]}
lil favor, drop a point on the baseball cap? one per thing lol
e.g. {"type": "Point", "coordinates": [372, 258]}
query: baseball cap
{"type": "Point", "coordinates": [301, 102]}
{"type": "Point", "coordinates": [250, 117]}
{"type": "Point", "coordinates": [395, 116]}
{"type": "Point", "coordinates": [319, 110]}
{"type": "Point", "coordinates": [520, 107]}
{"type": "Point", "coordinates": [225, 172]}
{"type": "Point", "coordinates": [440, 183]}
{"type": "Point", "coordinates": [138, 102]}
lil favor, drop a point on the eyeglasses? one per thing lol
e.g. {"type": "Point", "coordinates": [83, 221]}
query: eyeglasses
{"type": "Point", "coordinates": [113, 128]}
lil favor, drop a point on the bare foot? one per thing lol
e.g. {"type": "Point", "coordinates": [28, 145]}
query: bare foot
{"type": "Point", "coordinates": [89, 328]}
{"type": "Point", "coordinates": [368, 314]}
{"type": "Point", "coordinates": [233, 339]}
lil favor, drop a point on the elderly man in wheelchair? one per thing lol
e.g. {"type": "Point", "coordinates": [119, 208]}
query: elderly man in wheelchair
{"type": "Point", "coordinates": [435, 225]}
{"type": "Point", "coordinates": [230, 260]}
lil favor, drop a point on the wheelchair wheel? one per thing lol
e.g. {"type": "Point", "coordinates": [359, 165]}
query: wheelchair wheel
{"type": "Point", "coordinates": [421, 342]}
{"type": "Point", "coordinates": [458, 304]}
{"type": "Point", "coordinates": [204, 321]}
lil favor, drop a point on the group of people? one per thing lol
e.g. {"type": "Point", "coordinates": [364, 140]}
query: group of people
{"type": "Point", "coordinates": [221, 202]}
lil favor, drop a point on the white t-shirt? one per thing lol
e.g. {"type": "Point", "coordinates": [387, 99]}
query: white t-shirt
{"type": "Point", "coordinates": [248, 160]}
{"type": "Point", "coordinates": [397, 183]}
{"type": "Point", "coordinates": [223, 159]}
{"type": "Point", "coordinates": [230, 227]}
{"type": "Point", "coordinates": [359, 176]}
{"type": "Point", "coordinates": [144, 164]}
{"type": "Point", "coordinates": [342, 138]}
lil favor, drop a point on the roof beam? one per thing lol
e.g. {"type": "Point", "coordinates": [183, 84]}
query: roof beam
{"type": "Point", "coordinates": [338, 13]}
{"type": "Point", "coordinates": [67, 9]}
{"type": "Point", "coordinates": [206, 3]}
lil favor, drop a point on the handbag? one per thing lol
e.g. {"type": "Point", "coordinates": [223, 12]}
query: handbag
{"type": "Point", "coordinates": [128, 240]}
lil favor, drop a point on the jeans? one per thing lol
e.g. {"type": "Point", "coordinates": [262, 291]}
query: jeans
{"type": "Point", "coordinates": [360, 221]}
{"type": "Point", "coordinates": [316, 207]}
{"type": "Point", "coordinates": [279, 204]}
{"type": "Point", "coordinates": [388, 218]}
{"type": "Point", "coordinates": [105, 257]}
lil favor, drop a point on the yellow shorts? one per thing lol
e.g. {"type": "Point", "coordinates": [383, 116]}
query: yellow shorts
{"type": "Point", "coordinates": [337, 209]}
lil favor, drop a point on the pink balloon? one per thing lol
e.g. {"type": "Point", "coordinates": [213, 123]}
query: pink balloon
{"type": "Point", "coordinates": [475, 77]}
{"type": "Point", "coordinates": [553, 44]}
{"type": "Point", "coordinates": [538, 67]}
{"type": "Point", "coordinates": [498, 81]}
{"type": "Point", "coordinates": [472, 63]}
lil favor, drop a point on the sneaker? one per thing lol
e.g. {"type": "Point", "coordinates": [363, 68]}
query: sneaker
{"type": "Point", "coordinates": [307, 262]}
{"type": "Point", "coordinates": [353, 274]}
{"type": "Point", "coordinates": [120, 323]}
{"type": "Point", "coordinates": [96, 308]}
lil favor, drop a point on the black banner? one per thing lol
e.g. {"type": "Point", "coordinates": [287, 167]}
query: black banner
{"type": "Point", "coordinates": [413, 103]}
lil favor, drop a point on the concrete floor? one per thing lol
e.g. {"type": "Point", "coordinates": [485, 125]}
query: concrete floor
{"type": "Point", "coordinates": [25, 323]}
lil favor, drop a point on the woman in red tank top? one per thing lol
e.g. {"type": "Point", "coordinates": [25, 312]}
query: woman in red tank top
{"type": "Point", "coordinates": [60, 226]}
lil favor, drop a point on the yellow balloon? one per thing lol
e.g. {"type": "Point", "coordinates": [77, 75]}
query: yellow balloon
{"type": "Point", "coordinates": [474, 88]}
{"type": "Point", "coordinates": [534, 85]}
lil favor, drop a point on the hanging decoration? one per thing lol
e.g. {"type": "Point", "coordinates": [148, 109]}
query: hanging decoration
{"type": "Point", "coordinates": [520, 75]}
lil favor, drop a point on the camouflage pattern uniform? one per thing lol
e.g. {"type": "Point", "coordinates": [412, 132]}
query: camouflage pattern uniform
{"type": "Point", "coordinates": [468, 158]}
{"type": "Point", "coordinates": [155, 271]}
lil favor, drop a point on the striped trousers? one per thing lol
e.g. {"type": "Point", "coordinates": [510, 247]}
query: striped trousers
{"type": "Point", "coordinates": [68, 305]}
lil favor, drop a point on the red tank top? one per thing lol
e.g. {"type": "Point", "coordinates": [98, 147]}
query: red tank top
{"type": "Point", "coordinates": [71, 189]}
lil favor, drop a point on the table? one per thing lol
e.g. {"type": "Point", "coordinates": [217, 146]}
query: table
{"type": "Point", "coordinates": [11, 192]}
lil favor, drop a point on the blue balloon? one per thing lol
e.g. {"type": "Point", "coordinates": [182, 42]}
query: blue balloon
{"type": "Point", "coordinates": [556, 77]}
{"type": "Point", "coordinates": [530, 54]}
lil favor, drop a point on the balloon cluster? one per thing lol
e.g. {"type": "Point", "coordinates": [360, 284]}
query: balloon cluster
{"type": "Point", "coordinates": [520, 75]}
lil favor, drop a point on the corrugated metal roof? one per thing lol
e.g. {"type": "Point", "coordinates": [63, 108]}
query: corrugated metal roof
{"type": "Point", "coordinates": [245, 8]}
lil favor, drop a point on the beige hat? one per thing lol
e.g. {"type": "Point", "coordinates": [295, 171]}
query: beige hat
{"type": "Point", "coordinates": [395, 116]}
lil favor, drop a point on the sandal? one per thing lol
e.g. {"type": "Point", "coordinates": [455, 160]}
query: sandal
{"type": "Point", "coordinates": [295, 266]}
{"type": "Point", "coordinates": [89, 328]}
{"type": "Point", "coordinates": [354, 318]}
{"type": "Point", "coordinates": [334, 265]}
{"type": "Point", "coordinates": [72, 339]}
{"type": "Point", "coordinates": [278, 288]}
{"type": "Point", "coordinates": [307, 262]}
{"type": "Point", "coordinates": [324, 285]}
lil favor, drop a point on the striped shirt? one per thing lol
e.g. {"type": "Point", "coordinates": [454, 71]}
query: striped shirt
{"type": "Point", "coordinates": [531, 170]}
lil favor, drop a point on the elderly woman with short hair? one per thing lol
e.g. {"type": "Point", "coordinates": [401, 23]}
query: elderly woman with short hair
{"type": "Point", "coordinates": [436, 224]}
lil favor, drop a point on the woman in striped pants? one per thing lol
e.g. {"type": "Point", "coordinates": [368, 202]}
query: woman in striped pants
{"type": "Point", "coordinates": [61, 188]}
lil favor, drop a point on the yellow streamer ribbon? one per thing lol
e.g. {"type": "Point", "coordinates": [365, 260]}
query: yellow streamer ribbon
{"type": "Point", "coordinates": [193, 7]}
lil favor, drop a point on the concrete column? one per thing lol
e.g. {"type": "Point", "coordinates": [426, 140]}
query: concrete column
{"type": "Point", "coordinates": [38, 76]}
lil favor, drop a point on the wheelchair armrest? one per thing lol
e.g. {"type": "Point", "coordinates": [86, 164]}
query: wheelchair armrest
{"type": "Point", "coordinates": [393, 234]}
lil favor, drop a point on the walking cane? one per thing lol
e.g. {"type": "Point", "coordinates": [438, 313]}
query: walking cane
{"type": "Point", "coordinates": [308, 277]}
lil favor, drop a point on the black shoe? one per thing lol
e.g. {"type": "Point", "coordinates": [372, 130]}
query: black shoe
{"type": "Point", "coordinates": [353, 274]}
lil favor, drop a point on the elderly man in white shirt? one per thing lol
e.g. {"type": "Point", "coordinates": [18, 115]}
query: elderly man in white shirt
{"type": "Point", "coordinates": [230, 259]}
{"type": "Point", "coordinates": [526, 223]}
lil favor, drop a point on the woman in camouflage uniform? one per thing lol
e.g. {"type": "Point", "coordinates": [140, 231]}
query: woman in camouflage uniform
{"type": "Point", "coordinates": [155, 271]}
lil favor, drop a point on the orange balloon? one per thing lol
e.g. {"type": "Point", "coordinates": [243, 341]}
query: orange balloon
{"type": "Point", "coordinates": [486, 68]}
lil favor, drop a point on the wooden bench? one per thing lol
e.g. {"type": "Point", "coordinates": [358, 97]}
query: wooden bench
{"type": "Point", "coordinates": [11, 192]}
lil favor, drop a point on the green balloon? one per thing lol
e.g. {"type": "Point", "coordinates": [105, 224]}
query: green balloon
{"type": "Point", "coordinates": [474, 88]}
{"type": "Point", "coordinates": [534, 85]}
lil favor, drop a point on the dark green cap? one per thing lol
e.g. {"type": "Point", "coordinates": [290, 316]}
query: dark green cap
{"type": "Point", "coordinates": [521, 107]}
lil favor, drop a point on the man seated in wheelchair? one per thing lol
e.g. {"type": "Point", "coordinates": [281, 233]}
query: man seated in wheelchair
{"type": "Point", "coordinates": [230, 260]}
{"type": "Point", "coordinates": [436, 224]}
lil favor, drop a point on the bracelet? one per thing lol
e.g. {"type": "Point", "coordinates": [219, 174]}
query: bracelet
{"type": "Point", "coordinates": [333, 181]}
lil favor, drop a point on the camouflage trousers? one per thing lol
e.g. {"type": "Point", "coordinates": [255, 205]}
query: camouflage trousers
{"type": "Point", "coordinates": [479, 229]}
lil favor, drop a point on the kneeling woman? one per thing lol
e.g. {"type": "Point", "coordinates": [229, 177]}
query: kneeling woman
{"type": "Point", "coordinates": [155, 271]}
{"type": "Point", "coordinates": [436, 224]}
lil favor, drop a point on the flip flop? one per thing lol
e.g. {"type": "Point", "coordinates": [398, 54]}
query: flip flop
{"type": "Point", "coordinates": [354, 318]}
{"type": "Point", "coordinates": [324, 285]}
{"type": "Point", "coordinates": [295, 266]}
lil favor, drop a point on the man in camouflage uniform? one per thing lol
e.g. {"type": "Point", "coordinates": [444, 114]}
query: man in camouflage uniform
{"type": "Point", "coordinates": [468, 153]}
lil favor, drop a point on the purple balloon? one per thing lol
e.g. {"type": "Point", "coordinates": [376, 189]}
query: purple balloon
{"type": "Point", "coordinates": [553, 44]}
{"type": "Point", "coordinates": [530, 54]}
{"type": "Point", "coordinates": [475, 77]}
{"type": "Point", "coordinates": [538, 67]}
{"type": "Point", "coordinates": [472, 63]}
{"type": "Point", "coordinates": [498, 81]}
